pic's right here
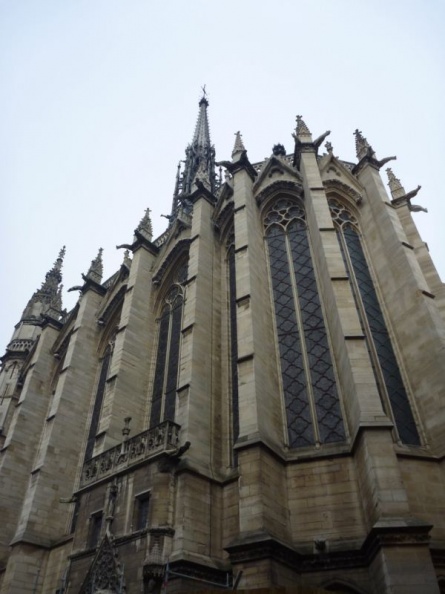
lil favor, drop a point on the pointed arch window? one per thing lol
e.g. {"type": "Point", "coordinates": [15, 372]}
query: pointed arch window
{"type": "Point", "coordinates": [163, 402]}
{"type": "Point", "coordinates": [98, 400]}
{"type": "Point", "coordinates": [308, 380]}
{"type": "Point", "coordinates": [385, 366]}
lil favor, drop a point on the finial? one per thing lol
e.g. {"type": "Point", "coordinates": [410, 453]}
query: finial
{"type": "Point", "coordinates": [302, 129]}
{"type": "Point", "coordinates": [239, 145]}
{"type": "Point", "coordinates": [329, 147]}
{"type": "Point", "coordinates": [145, 227]}
{"type": "Point", "coordinates": [96, 269]}
{"type": "Point", "coordinates": [362, 146]}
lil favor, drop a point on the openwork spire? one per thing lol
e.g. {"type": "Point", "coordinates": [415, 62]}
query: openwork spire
{"type": "Point", "coordinates": [49, 296]}
{"type": "Point", "coordinates": [239, 147]}
{"type": "Point", "coordinates": [199, 164]}
{"type": "Point", "coordinates": [145, 227]}
{"type": "Point", "coordinates": [96, 269]}
{"type": "Point", "coordinates": [362, 146]}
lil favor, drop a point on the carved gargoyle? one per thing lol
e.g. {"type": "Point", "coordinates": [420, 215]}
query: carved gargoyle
{"type": "Point", "coordinates": [319, 140]}
{"type": "Point", "coordinates": [412, 193]}
{"type": "Point", "coordinates": [385, 160]}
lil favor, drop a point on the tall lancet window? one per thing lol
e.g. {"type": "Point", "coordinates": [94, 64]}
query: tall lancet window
{"type": "Point", "coordinates": [163, 402]}
{"type": "Point", "coordinates": [386, 369]}
{"type": "Point", "coordinates": [309, 387]}
{"type": "Point", "coordinates": [99, 396]}
{"type": "Point", "coordinates": [233, 336]}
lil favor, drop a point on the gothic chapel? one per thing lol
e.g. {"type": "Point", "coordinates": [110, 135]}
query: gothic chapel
{"type": "Point", "coordinates": [254, 400]}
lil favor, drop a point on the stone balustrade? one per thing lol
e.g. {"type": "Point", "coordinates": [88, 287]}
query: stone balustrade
{"type": "Point", "coordinates": [156, 440]}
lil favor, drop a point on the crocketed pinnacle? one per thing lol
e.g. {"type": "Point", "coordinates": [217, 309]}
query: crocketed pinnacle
{"type": "Point", "coordinates": [396, 188]}
{"type": "Point", "coordinates": [49, 295]}
{"type": "Point", "coordinates": [239, 147]}
{"type": "Point", "coordinates": [96, 269]}
{"type": "Point", "coordinates": [145, 227]}
{"type": "Point", "coordinates": [362, 146]}
{"type": "Point", "coordinates": [302, 129]}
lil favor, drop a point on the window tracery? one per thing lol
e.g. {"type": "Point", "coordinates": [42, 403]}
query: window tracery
{"type": "Point", "coordinates": [308, 380]}
{"type": "Point", "coordinates": [167, 359]}
{"type": "Point", "coordinates": [385, 366]}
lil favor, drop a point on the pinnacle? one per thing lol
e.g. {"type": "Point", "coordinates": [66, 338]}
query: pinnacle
{"type": "Point", "coordinates": [96, 269]}
{"type": "Point", "coordinates": [396, 188]}
{"type": "Point", "coordinates": [145, 227]}
{"type": "Point", "coordinates": [239, 145]}
{"type": "Point", "coordinates": [49, 296]}
{"type": "Point", "coordinates": [362, 146]}
{"type": "Point", "coordinates": [302, 129]}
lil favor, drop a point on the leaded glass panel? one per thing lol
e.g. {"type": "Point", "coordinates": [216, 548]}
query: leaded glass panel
{"type": "Point", "coordinates": [233, 343]}
{"type": "Point", "coordinates": [386, 358]}
{"type": "Point", "coordinates": [158, 387]}
{"type": "Point", "coordinates": [310, 393]}
{"type": "Point", "coordinates": [299, 420]}
{"type": "Point", "coordinates": [324, 387]}
{"type": "Point", "coordinates": [105, 363]}
{"type": "Point", "coordinates": [173, 363]}
{"type": "Point", "coordinates": [167, 359]}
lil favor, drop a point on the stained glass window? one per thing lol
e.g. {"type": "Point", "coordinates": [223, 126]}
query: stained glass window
{"type": "Point", "coordinates": [233, 338]}
{"type": "Point", "coordinates": [167, 360]}
{"type": "Point", "coordinates": [104, 365]}
{"type": "Point", "coordinates": [386, 369]}
{"type": "Point", "coordinates": [309, 387]}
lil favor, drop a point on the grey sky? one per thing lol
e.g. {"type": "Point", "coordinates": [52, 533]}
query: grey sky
{"type": "Point", "coordinates": [98, 100]}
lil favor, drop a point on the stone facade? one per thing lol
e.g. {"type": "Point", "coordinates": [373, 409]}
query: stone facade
{"type": "Point", "coordinates": [256, 398]}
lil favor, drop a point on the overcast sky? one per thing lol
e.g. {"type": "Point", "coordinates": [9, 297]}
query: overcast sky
{"type": "Point", "coordinates": [99, 98]}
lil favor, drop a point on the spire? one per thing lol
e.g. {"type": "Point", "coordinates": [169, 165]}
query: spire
{"type": "Point", "coordinates": [362, 146]}
{"type": "Point", "coordinates": [49, 296]}
{"type": "Point", "coordinates": [145, 227]}
{"type": "Point", "coordinates": [200, 155]}
{"type": "Point", "coordinates": [239, 147]}
{"type": "Point", "coordinates": [396, 188]}
{"type": "Point", "coordinates": [96, 269]}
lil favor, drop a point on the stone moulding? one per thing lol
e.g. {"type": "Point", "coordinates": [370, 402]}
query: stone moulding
{"type": "Point", "coordinates": [145, 445]}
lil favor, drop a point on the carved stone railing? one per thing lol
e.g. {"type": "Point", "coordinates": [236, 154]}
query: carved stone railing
{"type": "Point", "coordinates": [20, 345]}
{"type": "Point", "coordinates": [162, 239]}
{"type": "Point", "coordinates": [156, 440]}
